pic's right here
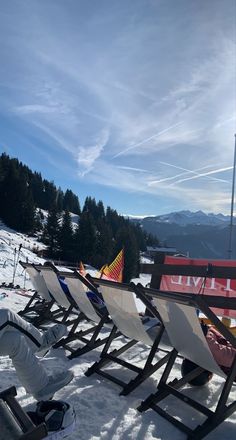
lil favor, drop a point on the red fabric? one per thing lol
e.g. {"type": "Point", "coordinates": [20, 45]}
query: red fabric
{"type": "Point", "coordinates": [211, 286]}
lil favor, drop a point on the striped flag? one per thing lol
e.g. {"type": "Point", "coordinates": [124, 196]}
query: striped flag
{"type": "Point", "coordinates": [114, 271]}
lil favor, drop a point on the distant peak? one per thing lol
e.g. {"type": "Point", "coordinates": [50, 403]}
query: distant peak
{"type": "Point", "coordinates": [187, 217]}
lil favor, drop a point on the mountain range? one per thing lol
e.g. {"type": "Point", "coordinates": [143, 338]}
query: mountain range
{"type": "Point", "coordinates": [198, 234]}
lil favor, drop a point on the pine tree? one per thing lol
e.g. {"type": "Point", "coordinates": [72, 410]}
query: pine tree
{"type": "Point", "coordinates": [27, 212]}
{"type": "Point", "coordinates": [37, 189]}
{"type": "Point", "coordinates": [99, 236]}
{"type": "Point", "coordinates": [86, 238]}
{"type": "Point", "coordinates": [115, 220]}
{"type": "Point", "coordinates": [50, 195]}
{"type": "Point", "coordinates": [104, 244]}
{"type": "Point", "coordinates": [66, 238]}
{"type": "Point", "coordinates": [51, 232]}
{"type": "Point", "coordinates": [59, 199]}
{"type": "Point", "coordinates": [38, 224]}
{"type": "Point", "coordinates": [100, 210]}
{"type": "Point", "coordinates": [18, 209]}
{"type": "Point", "coordinates": [126, 239]}
{"type": "Point", "coordinates": [151, 240]}
{"type": "Point", "coordinates": [71, 202]}
{"type": "Point", "coordinates": [76, 250]}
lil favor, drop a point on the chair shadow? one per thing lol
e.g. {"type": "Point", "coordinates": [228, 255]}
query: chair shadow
{"type": "Point", "coordinates": [101, 412]}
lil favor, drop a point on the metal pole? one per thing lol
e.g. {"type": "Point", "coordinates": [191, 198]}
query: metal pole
{"type": "Point", "coordinates": [232, 205]}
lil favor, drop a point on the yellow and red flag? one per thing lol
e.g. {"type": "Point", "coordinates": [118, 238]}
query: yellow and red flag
{"type": "Point", "coordinates": [114, 271]}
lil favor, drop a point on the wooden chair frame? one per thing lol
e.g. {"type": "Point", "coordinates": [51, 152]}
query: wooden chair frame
{"type": "Point", "coordinates": [91, 337]}
{"type": "Point", "coordinates": [15, 421]}
{"type": "Point", "coordinates": [41, 308]}
{"type": "Point", "coordinates": [108, 355]}
{"type": "Point", "coordinates": [165, 388]}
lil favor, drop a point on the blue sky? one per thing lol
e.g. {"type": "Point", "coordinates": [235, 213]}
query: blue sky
{"type": "Point", "coordinates": [130, 102]}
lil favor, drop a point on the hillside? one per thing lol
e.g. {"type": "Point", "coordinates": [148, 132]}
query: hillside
{"type": "Point", "coordinates": [93, 233]}
{"type": "Point", "coordinates": [14, 247]}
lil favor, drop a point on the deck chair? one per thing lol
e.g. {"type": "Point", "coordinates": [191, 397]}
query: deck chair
{"type": "Point", "coordinates": [98, 319]}
{"type": "Point", "coordinates": [72, 316]}
{"type": "Point", "coordinates": [121, 304]}
{"type": "Point", "coordinates": [178, 312]}
{"type": "Point", "coordinates": [15, 423]}
{"type": "Point", "coordinates": [42, 307]}
{"type": "Point", "coordinates": [41, 291]}
{"type": "Point", "coordinates": [39, 307]}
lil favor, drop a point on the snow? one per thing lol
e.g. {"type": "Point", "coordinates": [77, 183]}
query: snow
{"type": "Point", "coordinates": [101, 412]}
{"type": "Point", "coordinates": [186, 217]}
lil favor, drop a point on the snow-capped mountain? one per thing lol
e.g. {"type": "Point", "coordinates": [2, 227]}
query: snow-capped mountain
{"type": "Point", "coordinates": [197, 234]}
{"type": "Point", "coordinates": [186, 217]}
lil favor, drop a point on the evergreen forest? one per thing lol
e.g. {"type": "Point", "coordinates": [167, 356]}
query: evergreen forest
{"type": "Point", "coordinates": [97, 238]}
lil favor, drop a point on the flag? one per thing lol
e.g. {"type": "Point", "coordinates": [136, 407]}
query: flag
{"type": "Point", "coordinates": [114, 271]}
{"type": "Point", "coordinates": [82, 270]}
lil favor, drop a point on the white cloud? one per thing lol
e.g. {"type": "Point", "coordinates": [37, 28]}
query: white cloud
{"type": "Point", "coordinates": [87, 156]}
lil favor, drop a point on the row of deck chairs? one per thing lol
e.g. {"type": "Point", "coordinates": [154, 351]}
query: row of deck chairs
{"type": "Point", "coordinates": [117, 317]}
{"type": "Point", "coordinates": [171, 330]}
{"type": "Point", "coordinates": [71, 308]}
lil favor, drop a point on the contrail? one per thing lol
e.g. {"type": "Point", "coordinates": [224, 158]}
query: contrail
{"type": "Point", "coordinates": [133, 169]}
{"type": "Point", "coordinates": [220, 170]}
{"type": "Point", "coordinates": [181, 168]}
{"type": "Point", "coordinates": [195, 171]}
{"type": "Point", "coordinates": [148, 139]}
{"type": "Point", "coordinates": [153, 182]}
{"type": "Point", "coordinates": [186, 171]}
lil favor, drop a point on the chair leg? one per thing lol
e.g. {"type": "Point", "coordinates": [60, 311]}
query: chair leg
{"type": "Point", "coordinates": [143, 375]}
{"type": "Point", "coordinates": [89, 343]}
{"type": "Point", "coordinates": [149, 368]}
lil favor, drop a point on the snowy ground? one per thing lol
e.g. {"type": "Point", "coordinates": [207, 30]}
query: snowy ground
{"type": "Point", "coordinates": [101, 412]}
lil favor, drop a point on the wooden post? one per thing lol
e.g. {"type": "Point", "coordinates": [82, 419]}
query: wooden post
{"type": "Point", "coordinates": [156, 277]}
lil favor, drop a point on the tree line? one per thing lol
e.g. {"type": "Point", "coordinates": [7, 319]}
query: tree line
{"type": "Point", "coordinates": [96, 239]}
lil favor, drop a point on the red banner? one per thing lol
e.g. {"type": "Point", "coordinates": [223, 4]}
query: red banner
{"type": "Point", "coordinates": [207, 286]}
